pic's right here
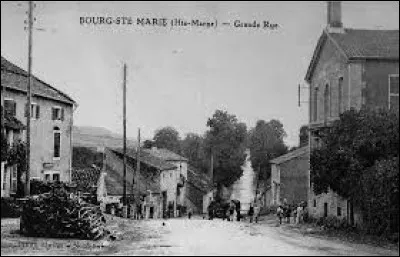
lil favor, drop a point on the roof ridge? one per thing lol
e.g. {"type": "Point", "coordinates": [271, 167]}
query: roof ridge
{"type": "Point", "coordinates": [366, 29]}
{"type": "Point", "coordinates": [24, 73]}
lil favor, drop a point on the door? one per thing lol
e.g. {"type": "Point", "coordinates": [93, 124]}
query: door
{"type": "Point", "coordinates": [325, 210]}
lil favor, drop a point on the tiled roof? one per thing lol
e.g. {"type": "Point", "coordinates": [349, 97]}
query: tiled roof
{"type": "Point", "coordinates": [360, 43]}
{"type": "Point", "coordinates": [114, 179]}
{"type": "Point", "coordinates": [16, 78]}
{"type": "Point", "coordinates": [199, 179]}
{"type": "Point", "coordinates": [114, 183]}
{"type": "Point", "coordinates": [165, 154]}
{"type": "Point", "coordinates": [147, 158]}
{"type": "Point", "coordinates": [293, 154]}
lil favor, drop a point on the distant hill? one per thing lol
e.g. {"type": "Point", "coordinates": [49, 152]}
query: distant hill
{"type": "Point", "coordinates": [85, 136]}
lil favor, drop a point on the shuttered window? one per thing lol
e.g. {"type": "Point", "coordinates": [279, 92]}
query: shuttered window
{"type": "Point", "coordinates": [35, 111]}
{"type": "Point", "coordinates": [57, 113]}
{"type": "Point", "coordinates": [10, 107]}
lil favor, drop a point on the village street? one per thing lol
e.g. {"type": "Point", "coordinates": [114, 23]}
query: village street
{"type": "Point", "coordinates": [191, 237]}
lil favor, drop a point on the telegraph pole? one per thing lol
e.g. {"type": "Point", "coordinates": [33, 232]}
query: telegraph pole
{"type": "Point", "coordinates": [124, 128]}
{"type": "Point", "coordinates": [138, 167]}
{"type": "Point", "coordinates": [29, 102]}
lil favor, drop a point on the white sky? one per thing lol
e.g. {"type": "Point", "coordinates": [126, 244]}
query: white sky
{"type": "Point", "coordinates": [250, 73]}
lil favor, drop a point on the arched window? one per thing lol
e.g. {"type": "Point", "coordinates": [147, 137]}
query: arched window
{"type": "Point", "coordinates": [340, 96]}
{"type": "Point", "coordinates": [57, 143]}
{"type": "Point", "coordinates": [315, 105]}
{"type": "Point", "coordinates": [326, 102]}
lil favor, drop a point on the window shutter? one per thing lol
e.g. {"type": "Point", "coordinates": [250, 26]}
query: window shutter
{"type": "Point", "coordinates": [14, 110]}
{"type": "Point", "coordinates": [26, 110]}
{"type": "Point", "coordinates": [62, 114]}
{"type": "Point", "coordinates": [53, 113]}
{"type": "Point", "coordinates": [37, 111]}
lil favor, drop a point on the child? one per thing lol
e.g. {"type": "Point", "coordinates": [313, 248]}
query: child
{"type": "Point", "coordinates": [279, 213]}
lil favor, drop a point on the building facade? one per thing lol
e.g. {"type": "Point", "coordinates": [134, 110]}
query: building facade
{"type": "Point", "coordinates": [110, 186]}
{"type": "Point", "coordinates": [51, 122]}
{"type": "Point", "coordinates": [290, 178]}
{"type": "Point", "coordinates": [173, 183]}
{"type": "Point", "coordinates": [350, 69]}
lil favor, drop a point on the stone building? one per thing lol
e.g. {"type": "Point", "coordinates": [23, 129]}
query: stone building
{"type": "Point", "coordinates": [350, 68]}
{"type": "Point", "coordinates": [182, 188]}
{"type": "Point", "coordinates": [290, 178]}
{"type": "Point", "coordinates": [111, 185]}
{"type": "Point", "coordinates": [51, 125]}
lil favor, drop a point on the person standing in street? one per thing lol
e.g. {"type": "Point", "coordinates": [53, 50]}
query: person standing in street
{"type": "Point", "coordinates": [251, 212]}
{"type": "Point", "coordinates": [238, 211]}
{"type": "Point", "coordinates": [299, 214]}
{"type": "Point", "coordinates": [279, 213]}
{"type": "Point", "coordinates": [190, 213]}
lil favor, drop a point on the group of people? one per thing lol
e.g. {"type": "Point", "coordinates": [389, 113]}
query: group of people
{"type": "Point", "coordinates": [232, 211]}
{"type": "Point", "coordinates": [286, 211]}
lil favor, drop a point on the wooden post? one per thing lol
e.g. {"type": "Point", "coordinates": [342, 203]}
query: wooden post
{"type": "Point", "coordinates": [124, 128]}
{"type": "Point", "coordinates": [29, 101]}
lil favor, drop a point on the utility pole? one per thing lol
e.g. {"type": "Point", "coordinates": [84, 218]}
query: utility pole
{"type": "Point", "coordinates": [29, 102]}
{"type": "Point", "coordinates": [138, 167]}
{"type": "Point", "coordinates": [124, 128]}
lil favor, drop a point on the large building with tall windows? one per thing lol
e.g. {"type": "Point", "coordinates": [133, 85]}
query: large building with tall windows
{"type": "Point", "coordinates": [350, 69]}
{"type": "Point", "coordinates": [51, 126]}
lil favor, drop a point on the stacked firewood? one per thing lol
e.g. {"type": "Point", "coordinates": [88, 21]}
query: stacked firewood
{"type": "Point", "coordinates": [61, 214]}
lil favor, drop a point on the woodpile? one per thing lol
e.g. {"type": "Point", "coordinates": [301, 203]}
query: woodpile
{"type": "Point", "coordinates": [62, 214]}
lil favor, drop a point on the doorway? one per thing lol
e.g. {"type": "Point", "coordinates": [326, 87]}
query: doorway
{"type": "Point", "coordinates": [325, 210]}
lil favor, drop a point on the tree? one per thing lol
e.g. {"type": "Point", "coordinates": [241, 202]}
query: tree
{"type": "Point", "coordinates": [193, 148]}
{"type": "Point", "coordinates": [358, 160]}
{"type": "Point", "coordinates": [225, 139]}
{"type": "Point", "coordinates": [147, 144]}
{"type": "Point", "coordinates": [168, 138]}
{"type": "Point", "coordinates": [265, 143]}
{"type": "Point", "coordinates": [16, 155]}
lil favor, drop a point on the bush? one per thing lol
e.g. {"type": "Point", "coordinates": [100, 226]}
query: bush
{"type": "Point", "coordinates": [330, 222]}
{"type": "Point", "coordinates": [10, 208]}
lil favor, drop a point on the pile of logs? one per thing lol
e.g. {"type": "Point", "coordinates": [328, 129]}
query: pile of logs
{"type": "Point", "coordinates": [61, 214]}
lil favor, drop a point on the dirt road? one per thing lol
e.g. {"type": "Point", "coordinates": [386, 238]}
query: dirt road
{"type": "Point", "coordinates": [189, 237]}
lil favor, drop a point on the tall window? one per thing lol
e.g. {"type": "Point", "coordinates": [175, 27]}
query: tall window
{"type": "Point", "coordinates": [57, 142]}
{"type": "Point", "coordinates": [315, 103]}
{"type": "Point", "coordinates": [14, 178]}
{"type": "Point", "coordinates": [394, 92]}
{"type": "Point", "coordinates": [340, 96]}
{"type": "Point", "coordinates": [10, 107]}
{"type": "Point", "coordinates": [326, 102]}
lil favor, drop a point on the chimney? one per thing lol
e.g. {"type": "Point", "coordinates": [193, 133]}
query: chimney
{"type": "Point", "coordinates": [335, 17]}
